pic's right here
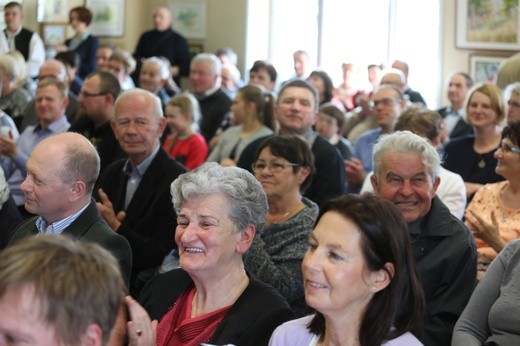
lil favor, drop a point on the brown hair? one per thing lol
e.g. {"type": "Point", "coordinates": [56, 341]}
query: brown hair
{"type": "Point", "coordinates": [74, 284]}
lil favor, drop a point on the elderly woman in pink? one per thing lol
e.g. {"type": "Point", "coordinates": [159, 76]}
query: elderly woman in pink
{"type": "Point", "coordinates": [494, 213]}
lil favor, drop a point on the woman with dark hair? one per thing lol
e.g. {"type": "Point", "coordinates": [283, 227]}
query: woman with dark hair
{"type": "Point", "coordinates": [494, 213]}
{"type": "Point", "coordinates": [323, 84]}
{"type": "Point", "coordinates": [253, 109]}
{"type": "Point", "coordinates": [359, 275]}
{"type": "Point", "coordinates": [83, 42]}
{"type": "Point", "coordinates": [284, 166]}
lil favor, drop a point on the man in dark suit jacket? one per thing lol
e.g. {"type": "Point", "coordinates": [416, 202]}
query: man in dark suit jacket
{"type": "Point", "coordinates": [453, 115]}
{"type": "Point", "coordinates": [61, 173]}
{"type": "Point", "coordinates": [135, 193]}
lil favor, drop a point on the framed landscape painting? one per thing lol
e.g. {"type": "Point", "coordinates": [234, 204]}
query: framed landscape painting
{"type": "Point", "coordinates": [488, 24]}
{"type": "Point", "coordinates": [484, 68]}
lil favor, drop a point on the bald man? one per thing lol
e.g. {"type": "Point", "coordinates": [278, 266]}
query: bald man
{"type": "Point", "coordinates": [56, 69]}
{"type": "Point", "coordinates": [163, 41]}
{"type": "Point", "coordinates": [61, 173]}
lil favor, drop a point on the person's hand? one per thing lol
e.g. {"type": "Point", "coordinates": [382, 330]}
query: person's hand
{"type": "Point", "coordinates": [61, 48]}
{"type": "Point", "coordinates": [107, 211]}
{"type": "Point", "coordinates": [8, 145]}
{"type": "Point", "coordinates": [355, 172]}
{"type": "Point", "coordinates": [487, 231]}
{"type": "Point", "coordinates": [141, 330]}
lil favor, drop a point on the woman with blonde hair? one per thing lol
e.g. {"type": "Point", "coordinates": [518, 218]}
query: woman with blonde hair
{"type": "Point", "coordinates": [472, 156]}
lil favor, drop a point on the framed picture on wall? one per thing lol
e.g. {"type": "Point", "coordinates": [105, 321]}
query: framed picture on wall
{"type": "Point", "coordinates": [108, 17]}
{"type": "Point", "coordinates": [189, 18]}
{"type": "Point", "coordinates": [54, 34]}
{"type": "Point", "coordinates": [195, 48]}
{"type": "Point", "coordinates": [484, 68]}
{"type": "Point", "coordinates": [489, 24]}
{"type": "Point", "coordinates": [56, 11]}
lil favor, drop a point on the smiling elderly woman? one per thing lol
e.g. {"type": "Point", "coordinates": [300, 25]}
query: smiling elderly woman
{"type": "Point", "coordinates": [212, 299]}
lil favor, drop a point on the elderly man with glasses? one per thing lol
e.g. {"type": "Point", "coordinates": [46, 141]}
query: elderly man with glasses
{"type": "Point", "coordinates": [387, 102]}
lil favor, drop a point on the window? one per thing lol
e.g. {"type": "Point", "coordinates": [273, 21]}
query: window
{"type": "Point", "coordinates": [364, 32]}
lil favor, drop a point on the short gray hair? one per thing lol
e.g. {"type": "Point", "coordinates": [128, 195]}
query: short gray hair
{"type": "Point", "coordinates": [406, 142]}
{"type": "Point", "coordinates": [215, 64]}
{"type": "Point", "coordinates": [163, 64]}
{"type": "Point", "coordinates": [247, 199]}
{"type": "Point", "coordinates": [158, 110]}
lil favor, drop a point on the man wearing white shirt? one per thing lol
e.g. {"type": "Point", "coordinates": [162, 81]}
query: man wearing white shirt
{"type": "Point", "coordinates": [17, 37]}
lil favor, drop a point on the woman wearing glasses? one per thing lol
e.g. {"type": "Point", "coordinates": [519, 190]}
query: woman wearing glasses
{"type": "Point", "coordinates": [284, 166]}
{"type": "Point", "coordinates": [494, 213]}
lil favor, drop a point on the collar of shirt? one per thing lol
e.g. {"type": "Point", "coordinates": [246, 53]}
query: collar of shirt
{"type": "Point", "coordinates": [74, 42]}
{"type": "Point", "coordinates": [13, 34]}
{"type": "Point", "coordinates": [143, 166]}
{"type": "Point", "coordinates": [207, 92]}
{"type": "Point", "coordinates": [57, 227]}
{"type": "Point", "coordinates": [59, 125]}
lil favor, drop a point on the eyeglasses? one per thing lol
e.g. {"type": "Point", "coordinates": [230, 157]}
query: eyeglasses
{"type": "Point", "coordinates": [513, 104]}
{"type": "Point", "coordinates": [507, 148]}
{"type": "Point", "coordinates": [274, 167]}
{"type": "Point", "coordinates": [384, 102]}
{"type": "Point", "coordinates": [86, 94]}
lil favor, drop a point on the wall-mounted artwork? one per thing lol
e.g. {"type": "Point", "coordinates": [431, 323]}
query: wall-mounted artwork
{"type": "Point", "coordinates": [189, 18]}
{"type": "Point", "coordinates": [488, 24]}
{"type": "Point", "coordinates": [484, 68]}
{"type": "Point", "coordinates": [53, 34]}
{"type": "Point", "coordinates": [56, 11]}
{"type": "Point", "coordinates": [108, 17]}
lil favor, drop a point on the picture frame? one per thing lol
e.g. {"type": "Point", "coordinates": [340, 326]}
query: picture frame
{"type": "Point", "coordinates": [55, 11]}
{"type": "Point", "coordinates": [484, 68]}
{"type": "Point", "coordinates": [2, 4]}
{"type": "Point", "coordinates": [54, 34]}
{"type": "Point", "coordinates": [189, 18]}
{"type": "Point", "coordinates": [108, 17]}
{"type": "Point", "coordinates": [490, 24]}
{"type": "Point", "coordinates": [195, 48]}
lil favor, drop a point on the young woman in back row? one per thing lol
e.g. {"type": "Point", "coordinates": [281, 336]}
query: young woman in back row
{"type": "Point", "coordinates": [253, 109]}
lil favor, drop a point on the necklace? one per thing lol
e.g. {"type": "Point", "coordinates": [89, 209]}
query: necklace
{"type": "Point", "coordinates": [481, 163]}
{"type": "Point", "coordinates": [283, 217]}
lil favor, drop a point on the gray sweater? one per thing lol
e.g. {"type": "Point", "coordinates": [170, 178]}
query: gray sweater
{"type": "Point", "coordinates": [276, 255]}
{"type": "Point", "coordinates": [492, 314]}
